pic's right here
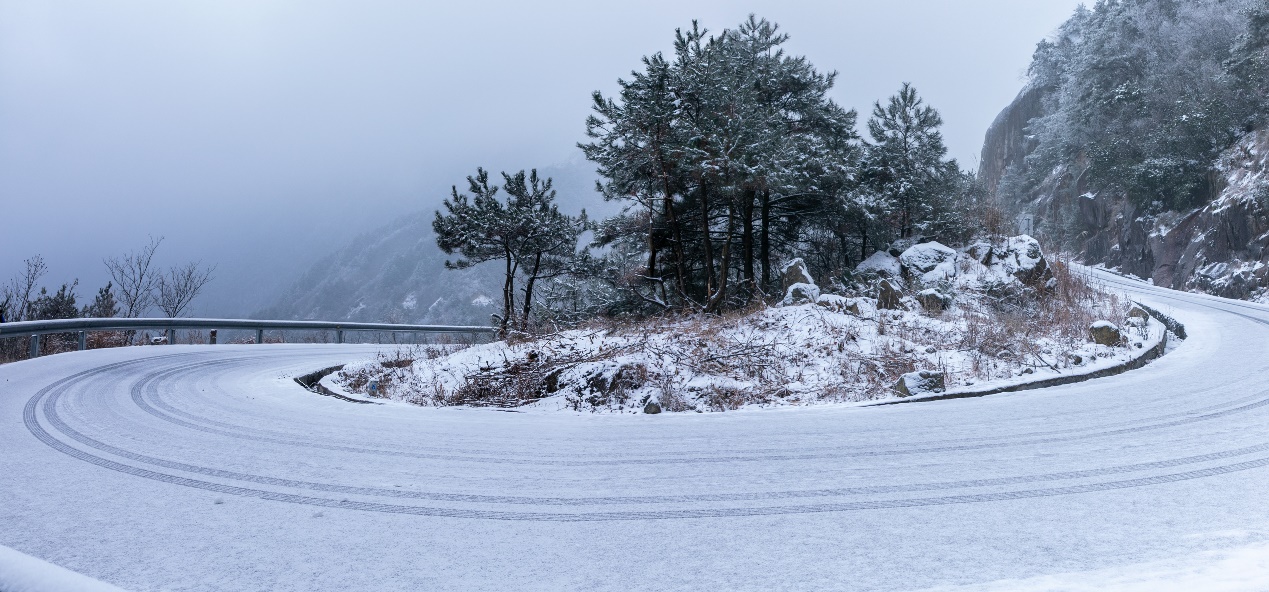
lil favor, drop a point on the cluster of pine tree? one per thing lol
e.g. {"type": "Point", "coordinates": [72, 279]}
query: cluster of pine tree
{"type": "Point", "coordinates": [1147, 94]}
{"type": "Point", "coordinates": [730, 159]}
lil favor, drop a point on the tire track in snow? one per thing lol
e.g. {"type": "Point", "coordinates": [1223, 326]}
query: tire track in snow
{"type": "Point", "coordinates": [51, 394]}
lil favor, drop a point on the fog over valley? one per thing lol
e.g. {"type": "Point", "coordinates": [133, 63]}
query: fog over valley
{"type": "Point", "coordinates": [263, 136]}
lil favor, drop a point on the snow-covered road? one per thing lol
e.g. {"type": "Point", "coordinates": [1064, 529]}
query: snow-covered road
{"type": "Point", "coordinates": [206, 468]}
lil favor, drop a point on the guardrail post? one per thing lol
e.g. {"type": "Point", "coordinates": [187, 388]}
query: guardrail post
{"type": "Point", "coordinates": [259, 335]}
{"type": "Point", "coordinates": [35, 346]}
{"type": "Point", "coordinates": [171, 336]}
{"type": "Point", "coordinates": [83, 340]}
{"type": "Point", "coordinates": [212, 338]}
{"type": "Point", "coordinates": [339, 335]}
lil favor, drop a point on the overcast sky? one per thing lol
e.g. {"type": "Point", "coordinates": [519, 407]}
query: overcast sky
{"type": "Point", "coordinates": [262, 134]}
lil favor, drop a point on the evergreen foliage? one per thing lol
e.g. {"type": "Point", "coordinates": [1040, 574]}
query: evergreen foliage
{"type": "Point", "coordinates": [103, 305]}
{"type": "Point", "coordinates": [731, 159]}
{"type": "Point", "coordinates": [528, 233]}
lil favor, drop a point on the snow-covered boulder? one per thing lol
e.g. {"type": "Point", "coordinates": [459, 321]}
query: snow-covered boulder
{"type": "Point", "coordinates": [930, 262]}
{"type": "Point", "coordinates": [1020, 257]}
{"type": "Point", "coordinates": [796, 272]}
{"type": "Point", "coordinates": [889, 295]}
{"type": "Point", "coordinates": [925, 257]}
{"type": "Point", "coordinates": [899, 246]}
{"type": "Point", "coordinates": [933, 300]}
{"type": "Point", "coordinates": [919, 383]}
{"type": "Point", "coordinates": [860, 307]}
{"type": "Point", "coordinates": [979, 251]}
{"type": "Point", "coordinates": [800, 293]}
{"type": "Point", "coordinates": [879, 263]}
{"type": "Point", "coordinates": [1104, 333]}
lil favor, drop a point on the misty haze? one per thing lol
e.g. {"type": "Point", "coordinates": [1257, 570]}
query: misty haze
{"type": "Point", "coordinates": [386, 295]}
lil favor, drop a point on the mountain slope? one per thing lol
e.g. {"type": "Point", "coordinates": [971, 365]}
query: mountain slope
{"type": "Point", "coordinates": [1139, 143]}
{"type": "Point", "coordinates": [393, 274]}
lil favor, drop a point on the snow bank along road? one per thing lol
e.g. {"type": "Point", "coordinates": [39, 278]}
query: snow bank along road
{"type": "Point", "coordinates": [207, 468]}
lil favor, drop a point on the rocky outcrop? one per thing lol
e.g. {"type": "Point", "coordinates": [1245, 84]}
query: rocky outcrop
{"type": "Point", "coordinates": [1104, 333]}
{"type": "Point", "coordinates": [928, 262]}
{"type": "Point", "coordinates": [933, 300]}
{"type": "Point", "coordinates": [920, 383]}
{"type": "Point", "coordinates": [889, 295]}
{"type": "Point", "coordinates": [796, 272]}
{"type": "Point", "coordinates": [1220, 248]}
{"type": "Point", "coordinates": [1007, 142]}
{"type": "Point", "coordinates": [800, 294]}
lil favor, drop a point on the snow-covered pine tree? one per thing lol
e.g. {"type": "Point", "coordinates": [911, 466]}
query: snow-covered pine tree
{"type": "Point", "coordinates": [726, 154]}
{"type": "Point", "coordinates": [528, 233]}
{"type": "Point", "coordinates": [906, 163]}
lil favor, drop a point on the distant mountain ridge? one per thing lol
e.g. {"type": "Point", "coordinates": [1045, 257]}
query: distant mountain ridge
{"type": "Point", "coordinates": [396, 273]}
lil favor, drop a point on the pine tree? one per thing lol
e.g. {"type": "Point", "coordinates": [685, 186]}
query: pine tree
{"type": "Point", "coordinates": [905, 158]}
{"type": "Point", "coordinates": [726, 155]}
{"type": "Point", "coordinates": [103, 305]}
{"type": "Point", "coordinates": [528, 233]}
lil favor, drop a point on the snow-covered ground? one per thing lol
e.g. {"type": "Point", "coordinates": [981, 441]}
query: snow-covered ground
{"type": "Point", "coordinates": [952, 320]}
{"type": "Point", "coordinates": [208, 468]}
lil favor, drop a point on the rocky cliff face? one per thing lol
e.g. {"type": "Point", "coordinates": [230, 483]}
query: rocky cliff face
{"type": "Point", "coordinates": [1007, 141]}
{"type": "Point", "coordinates": [1221, 248]}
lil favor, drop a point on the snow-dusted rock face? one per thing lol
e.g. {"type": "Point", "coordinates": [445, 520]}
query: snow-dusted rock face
{"type": "Point", "coordinates": [1220, 248]}
{"type": "Point", "coordinates": [925, 257]}
{"type": "Point", "coordinates": [929, 262]}
{"type": "Point", "coordinates": [1105, 333]}
{"type": "Point", "coordinates": [796, 272]}
{"type": "Point", "coordinates": [920, 383]}
{"type": "Point", "coordinates": [800, 294]}
{"type": "Point", "coordinates": [879, 263]}
{"type": "Point", "coordinates": [933, 300]}
{"type": "Point", "coordinates": [889, 295]}
{"type": "Point", "coordinates": [1019, 256]}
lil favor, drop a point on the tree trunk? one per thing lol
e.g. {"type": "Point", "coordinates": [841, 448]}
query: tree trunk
{"type": "Point", "coordinates": [672, 217]}
{"type": "Point", "coordinates": [508, 295]}
{"type": "Point", "coordinates": [863, 240]}
{"type": "Point", "coordinates": [706, 242]}
{"type": "Point", "coordinates": [528, 292]}
{"type": "Point", "coordinates": [764, 250]}
{"type": "Point", "coordinates": [719, 297]}
{"type": "Point", "coordinates": [746, 240]}
{"type": "Point", "coordinates": [652, 242]}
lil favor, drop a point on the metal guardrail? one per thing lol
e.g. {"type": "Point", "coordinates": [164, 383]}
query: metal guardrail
{"type": "Point", "coordinates": [34, 329]}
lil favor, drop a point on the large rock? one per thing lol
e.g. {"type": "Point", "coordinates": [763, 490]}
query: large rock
{"type": "Point", "coordinates": [925, 257]}
{"type": "Point", "coordinates": [1105, 333]}
{"type": "Point", "coordinates": [652, 408]}
{"type": "Point", "coordinates": [930, 262]}
{"type": "Point", "coordinates": [919, 383]}
{"type": "Point", "coordinates": [796, 272]}
{"type": "Point", "coordinates": [879, 263]}
{"type": "Point", "coordinates": [800, 294]}
{"type": "Point", "coordinates": [933, 300]}
{"type": "Point", "coordinates": [859, 307]}
{"type": "Point", "coordinates": [889, 295]}
{"type": "Point", "coordinates": [1019, 256]}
